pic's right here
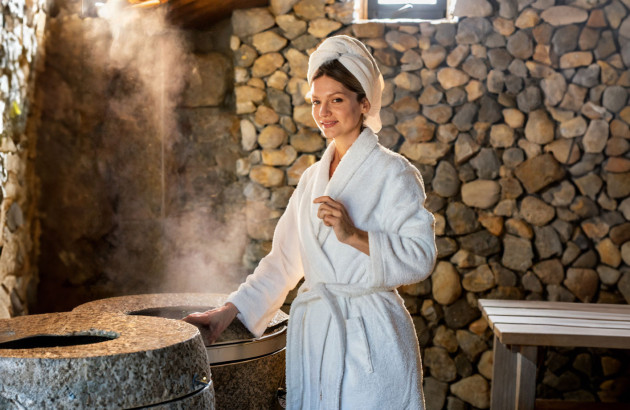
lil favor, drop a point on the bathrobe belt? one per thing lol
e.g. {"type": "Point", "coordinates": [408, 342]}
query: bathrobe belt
{"type": "Point", "coordinates": [328, 292]}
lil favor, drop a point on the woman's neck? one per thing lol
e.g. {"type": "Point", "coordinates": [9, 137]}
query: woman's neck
{"type": "Point", "coordinates": [342, 145]}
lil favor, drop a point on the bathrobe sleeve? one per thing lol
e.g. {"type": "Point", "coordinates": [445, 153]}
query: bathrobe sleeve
{"type": "Point", "coordinates": [404, 249]}
{"type": "Point", "coordinates": [264, 291]}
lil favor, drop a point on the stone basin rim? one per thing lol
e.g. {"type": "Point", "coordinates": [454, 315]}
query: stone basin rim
{"type": "Point", "coordinates": [131, 304]}
{"type": "Point", "coordinates": [135, 334]}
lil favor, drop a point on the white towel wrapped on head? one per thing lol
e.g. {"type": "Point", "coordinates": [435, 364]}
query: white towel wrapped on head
{"type": "Point", "coordinates": [357, 59]}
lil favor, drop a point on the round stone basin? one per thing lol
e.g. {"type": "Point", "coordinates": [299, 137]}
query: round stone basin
{"type": "Point", "coordinates": [235, 344]}
{"type": "Point", "coordinates": [246, 371]}
{"type": "Point", "coordinates": [108, 361]}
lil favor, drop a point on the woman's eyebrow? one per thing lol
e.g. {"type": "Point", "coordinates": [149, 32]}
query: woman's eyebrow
{"type": "Point", "coordinates": [328, 95]}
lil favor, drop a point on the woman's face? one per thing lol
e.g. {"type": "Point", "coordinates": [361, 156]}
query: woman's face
{"type": "Point", "coordinates": [336, 110]}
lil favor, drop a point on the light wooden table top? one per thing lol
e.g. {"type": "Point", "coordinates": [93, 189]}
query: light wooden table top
{"type": "Point", "coordinates": [536, 323]}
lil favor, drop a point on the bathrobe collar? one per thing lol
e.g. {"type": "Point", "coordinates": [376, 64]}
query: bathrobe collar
{"type": "Point", "coordinates": [333, 187]}
{"type": "Point", "coordinates": [314, 235]}
{"type": "Point", "coordinates": [349, 164]}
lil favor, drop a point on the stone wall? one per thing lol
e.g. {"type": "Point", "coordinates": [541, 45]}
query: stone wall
{"type": "Point", "coordinates": [21, 35]}
{"type": "Point", "coordinates": [517, 117]}
{"type": "Point", "coordinates": [136, 153]}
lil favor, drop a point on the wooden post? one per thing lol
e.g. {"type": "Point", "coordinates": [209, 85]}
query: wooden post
{"type": "Point", "coordinates": [514, 377]}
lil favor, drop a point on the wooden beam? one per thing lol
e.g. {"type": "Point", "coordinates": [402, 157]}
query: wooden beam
{"type": "Point", "coordinates": [189, 11]}
{"type": "Point", "coordinates": [514, 377]}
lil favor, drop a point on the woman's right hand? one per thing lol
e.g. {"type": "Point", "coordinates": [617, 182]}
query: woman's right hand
{"type": "Point", "coordinates": [216, 320]}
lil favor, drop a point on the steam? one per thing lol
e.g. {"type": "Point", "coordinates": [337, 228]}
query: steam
{"type": "Point", "coordinates": [147, 46]}
{"type": "Point", "coordinates": [205, 254]}
{"type": "Point", "coordinates": [184, 246]}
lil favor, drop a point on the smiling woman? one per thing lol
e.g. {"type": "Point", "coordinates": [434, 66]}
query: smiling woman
{"type": "Point", "coordinates": [356, 229]}
{"type": "Point", "coordinates": [339, 104]}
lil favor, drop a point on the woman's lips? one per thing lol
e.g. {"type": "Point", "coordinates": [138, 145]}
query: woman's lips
{"type": "Point", "coordinates": [328, 124]}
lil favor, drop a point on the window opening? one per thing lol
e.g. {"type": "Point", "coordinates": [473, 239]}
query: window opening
{"type": "Point", "coordinates": [400, 9]}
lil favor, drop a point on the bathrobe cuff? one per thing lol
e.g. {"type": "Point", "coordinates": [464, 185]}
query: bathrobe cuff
{"type": "Point", "coordinates": [248, 311]}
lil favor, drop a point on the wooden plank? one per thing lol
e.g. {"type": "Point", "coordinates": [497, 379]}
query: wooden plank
{"type": "Point", "coordinates": [492, 312]}
{"type": "Point", "coordinates": [503, 388]}
{"type": "Point", "coordinates": [515, 388]}
{"type": "Point", "coordinates": [526, 377]}
{"type": "Point", "coordinates": [203, 12]}
{"type": "Point", "coordinates": [547, 404]}
{"type": "Point", "coordinates": [553, 321]}
{"type": "Point", "coordinates": [537, 335]}
{"type": "Point", "coordinates": [589, 307]}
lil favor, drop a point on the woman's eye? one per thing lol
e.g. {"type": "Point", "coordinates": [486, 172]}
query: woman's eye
{"type": "Point", "coordinates": [337, 100]}
{"type": "Point", "coordinates": [315, 102]}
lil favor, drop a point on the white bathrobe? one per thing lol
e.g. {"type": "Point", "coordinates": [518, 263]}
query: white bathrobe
{"type": "Point", "coordinates": [351, 342]}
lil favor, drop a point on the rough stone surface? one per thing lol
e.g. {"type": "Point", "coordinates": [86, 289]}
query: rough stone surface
{"type": "Point", "coordinates": [459, 314]}
{"type": "Point", "coordinates": [139, 343]}
{"type": "Point", "coordinates": [294, 172]}
{"type": "Point", "coordinates": [527, 100]}
{"type": "Point", "coordinates": [445, 183]}
{"type": "Point", "coordinates": [440, 364]}
{"type": "Point", "coordinates": [246, 22]}
{"type": "Point", "coordinates": [446, 287]}
{"type": "Point", "coordinates": [536, 212]}
{"type": "Point", "coordinates": [473, 8]}
{"type": "Point", "coordinates": [436, 389]}
{"type": "Point", "coordinates": [416, 129]}
{"type": "Point", "coordinates": [517, 253]}
{"type": "Point", "coordinates": [474, 390]}
{"type": "Point", "coordinates": [614, 98]}
{"type": "Point", "coordinates": [550, 272]}
{"type": "Point", "coordinates": [554, 87]}
{"type": "Point", "coordinates": [563, 15]}
{"type": "Point", "coordinates": [583, 283]}
{"type": "Point", "coordinates": [539, 128]}
{"type": "Point", "coordinates": [268, 42]}
{"type": "Point", "coordinates": [481, 193]}
{"type": "Point", "coordinates": [479, 280]}
{"type": "Point", "coordinates": [547, 242]}
{"type": "Point", "coordinates": [538, 172]}
{"type": "Point", "coordinates": [573, 128]}
{"type": "Point", "coordinates": [461, 218]}
{"type": "Point", "coordinates": [451, 77]}
{"type": "Point", "coordinates": [520, 45]}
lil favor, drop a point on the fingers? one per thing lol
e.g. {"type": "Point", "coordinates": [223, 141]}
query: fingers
{"type": "Point", "coordinates": [325, 210]}
{"type": "Point", "coordinates": [196, 318]}
{"type": "Point", "coordinates": [330, 221]}
{"type": "Point", "coordinates": [329, 207]}
{"type": "Point", "coordinates": [323, 199]}
{"type": "Point", "coordinates": [214, 320]}
{"type": "Point", "coordinates": [328, 201]}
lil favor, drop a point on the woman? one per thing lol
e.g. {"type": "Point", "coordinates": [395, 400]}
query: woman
{"type": "Point", "coordinates": [356, 229]}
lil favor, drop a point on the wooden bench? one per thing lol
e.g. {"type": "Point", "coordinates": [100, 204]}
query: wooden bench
{"type": "Point", "coordinates": [520, 327]}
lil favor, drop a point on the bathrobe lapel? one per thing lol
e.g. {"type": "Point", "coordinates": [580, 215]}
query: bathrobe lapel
{"type": "Point", "coordinates": [318, 233]}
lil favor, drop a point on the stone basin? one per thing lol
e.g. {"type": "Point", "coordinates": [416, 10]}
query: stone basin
{"type": "Point", "coordinates": [246, 371]}
{"type": "Point", "coordinates": [235, 344]}
{"type": "Point", "coordinates": [109, 361]}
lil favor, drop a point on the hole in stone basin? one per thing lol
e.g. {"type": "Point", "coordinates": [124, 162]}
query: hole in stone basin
{"type": "Point", "coordinates": [47, 341]}
{"type": "Point", "coordinates": [171, 312]}
{"type": "Point", "coordinates": [236, 330]}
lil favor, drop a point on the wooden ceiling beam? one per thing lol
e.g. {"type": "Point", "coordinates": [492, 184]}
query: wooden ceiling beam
{"type": "Point", "coordinates": [201, 12]}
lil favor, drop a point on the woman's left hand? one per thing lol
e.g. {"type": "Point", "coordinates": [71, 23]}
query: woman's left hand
{"type": "Point", "coordinates": [335, 215]}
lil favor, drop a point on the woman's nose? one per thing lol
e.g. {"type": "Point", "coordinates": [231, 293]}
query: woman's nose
{"type": "Point", "coordinates": [323, 109]}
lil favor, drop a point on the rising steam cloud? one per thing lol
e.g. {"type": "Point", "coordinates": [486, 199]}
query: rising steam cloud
{"type": "Point", "coordinates": [197, 251]}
